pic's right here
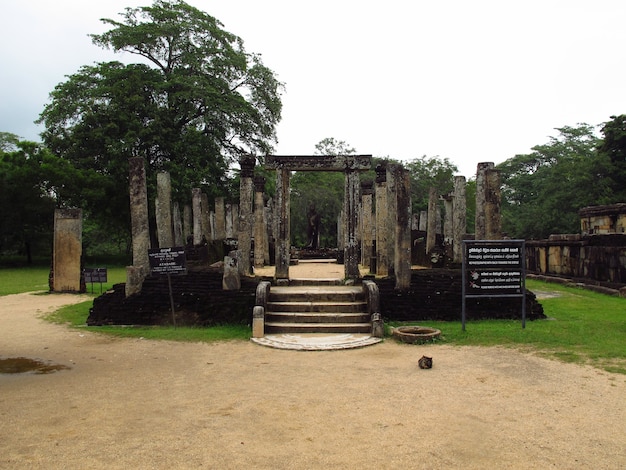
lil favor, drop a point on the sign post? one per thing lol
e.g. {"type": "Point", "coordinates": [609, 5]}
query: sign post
{"type": "Point", "coordinates": [168, 261]}
{"type": "Point", "coordinates": [93, 275]}
{"type": "Point", "coordinates": [494, 268]}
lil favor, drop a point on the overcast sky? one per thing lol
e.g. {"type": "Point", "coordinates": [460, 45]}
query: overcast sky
{"type": "Point", "coordinates": [469, 80]}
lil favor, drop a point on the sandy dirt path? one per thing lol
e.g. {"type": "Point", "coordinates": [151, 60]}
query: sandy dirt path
{"type": "Point", "coordinates": [132, 403]}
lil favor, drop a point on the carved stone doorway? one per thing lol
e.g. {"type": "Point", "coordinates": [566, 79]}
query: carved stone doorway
{"type": "Point", "coordinates": [350, 165]}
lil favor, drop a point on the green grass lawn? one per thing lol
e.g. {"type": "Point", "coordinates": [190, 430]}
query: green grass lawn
{"type": "Point", "coordinates": [582, 326]}
{"type": "Point", "coordinates": [35, 278]}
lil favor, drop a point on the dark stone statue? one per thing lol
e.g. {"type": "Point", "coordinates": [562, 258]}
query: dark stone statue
{"type": "Point", "coordinates": [313, 227]}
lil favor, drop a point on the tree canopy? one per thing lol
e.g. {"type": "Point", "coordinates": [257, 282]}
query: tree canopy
{"type": "Point", "coordinates": [543, 190]}
{"type": "Point", "coordinates": [32, 181]}
{"type": "Point", "coordinates": [192, 104]}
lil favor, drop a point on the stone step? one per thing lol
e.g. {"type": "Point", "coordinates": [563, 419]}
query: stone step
{"type": "Point", "coordinates": [315, 306]}
{"type": "Point", "coordinates": [316, 294]}
{"type": "Point", "coordinates": [316, 317]}
{"type": "Point", "coordinates": [278, 327]}
{"type": "Point", "coordinates": [316, 282]}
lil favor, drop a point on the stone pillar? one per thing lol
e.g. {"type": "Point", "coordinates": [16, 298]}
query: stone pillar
{"type": "Point", "coordinates": [187, 222]}
{"type": "Point", "coordinates": [259, 222]}
{"type": "Point", "coordinates": [205, 215]}
{"type": "Point", "coordinates": [163, 209]}
{"type": "Point", "coordinates": [382, 227]}
{"type": "Point", "coordinates": [459, 218]}
{"type": "Point", "coordinates": [367, 190]}
{"type": "Point", "coordinates": [136, 273]}
{"type": "Point", "coordinates": [283, 235]}
{"type": "Point", "coordinates": [423, 221]}
{"type": "Point", "coordinates": [431, 232]}
{"type": "Point", "coordinates": [402, 248]}
{"type": "Point", "coordinates": [448, 230]}
{"type": "Point", "coordinates": [196, 205]}
{"type": "Point", "coordinates": [415, 222]}
{"type": "Point", "coordinates": [268, 212]}
{"type": "Point", "coordinates": [220, 219]}
{"type": "Point", "coordinates": [235, 213]}
{"type": "Point", "coordinates": [480, 231]}
{"type": "Point", "coordinates": [352, 195]}
{"type": "Point", "coordinates": [493, 202]}
{"type": "Point", "coordinates": [393, 171]}
{"type": "Point", "coordinates": [67, 250]}
{"type": "Point", "coordinates": [228, 219]}
{"type": "Point", "coordinates": [246, 197]}
{"type": "Point", "coordinates": [177, 222]}
{"type": "Point", "coordinates": [341, 230]}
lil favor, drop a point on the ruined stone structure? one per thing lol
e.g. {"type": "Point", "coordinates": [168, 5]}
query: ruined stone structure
{"type": "Point", "coordinates": [260, 224]}
{"type": "Point", "coordinates": [67, 250]}
{"type": "Point", "coordinates": [136, 273]}
{"type": "Point", "coordinates": [163, 210]}
{"type": "Point", "coordinates": [597, 220]}
{"type": "Point", "coordinates": [459, 218]}
{"type": "Point", "coordinates": [367, 226]}
{"type": "Point", "coordinates": [246, 196]}
{"type": "Point", "coordinates": [481, 200]}
{"type": "Point", "coordinates": [351, 165]}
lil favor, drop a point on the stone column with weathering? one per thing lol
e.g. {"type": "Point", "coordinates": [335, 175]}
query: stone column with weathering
{"type": "Point", "coordinates": [367, 243]}
{"type": "Point", "coordinates": [177, 225]}
{"type": "Point", "coordinates": [260, 232]}
{"type": "Point", "coordinates": [228, 220]}
{"type": "Point", "coordinates": [493, 202]}
{"type": "Point", "coordinates": [352, 195]}
{"type": "Point", "coordinates": [382, 227]}
{"type": "Point", "coordinates": [431, 231]}
{"type": "Point", "coordinates": [481, 199]}
{"type": "Point", "coordinates": [402, 248]}
{"type": "Point", "coordinates": [283, 234]}
{"type": "Point", "coordinates": [220, 219]}
{"type": "Point", "coordinates": [163, 206]}
{"type": "Point", "coordinates": [67, 250]}
{"type": "Point", "coordinates": [246, 197]}
{"type": "Point", "coordinates": [448, 204]}
{"type": "Point", "coordinates": [205, 217]}
{"type": "Point", "coordinates": [136, 273]}
{"type": "Point", "coordinates": [393, 172]}
{"type": "Point", "coordinates": [196, 207]}
{"type": "Point", "coordinates": [459, 218]}
{"type": "Point", "coordinates": [187, 223]}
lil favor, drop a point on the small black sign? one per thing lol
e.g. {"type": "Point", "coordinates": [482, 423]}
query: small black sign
{"type": "Point", "coordinates": [168, 260]}
{"type": "Point", "coordinates": [93, 275]}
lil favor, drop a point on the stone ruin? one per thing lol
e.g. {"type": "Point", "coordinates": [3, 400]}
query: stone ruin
{"type": "Point", "coordinates": [383, 240]}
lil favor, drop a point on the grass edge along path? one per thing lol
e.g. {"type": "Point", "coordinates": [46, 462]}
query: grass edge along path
{"type": "Point", "coordinates": [583, 327]}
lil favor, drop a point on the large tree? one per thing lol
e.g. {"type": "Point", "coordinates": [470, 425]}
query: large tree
{"type": "Point", "coordinates": [613, 150]}
{"type": "Point", "coordinates": [32, 182]}
{"type": "Point", "coordinates": [543, 190]}
{"type": "Point", "coordinates": [429, 172]}
{"type": "Point", "coordinates": [192, 104]}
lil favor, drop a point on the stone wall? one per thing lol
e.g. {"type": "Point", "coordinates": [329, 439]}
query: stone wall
{"type": "Point", "coordinates": [198, 297]}
{"type": "Point", "coordinates": [435, 294]}
{"type": "Point", "coordinates": [597, 258]}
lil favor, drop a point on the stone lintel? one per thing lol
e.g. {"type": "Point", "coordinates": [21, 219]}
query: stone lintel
{"type": "Point", "coordinates": [319, 162]}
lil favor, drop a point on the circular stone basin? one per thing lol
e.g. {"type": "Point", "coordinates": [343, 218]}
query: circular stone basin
{"type": "Point", "coordinates": [415, 334]}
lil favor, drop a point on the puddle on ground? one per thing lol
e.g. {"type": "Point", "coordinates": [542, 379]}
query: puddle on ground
{"type": "Point", "coordinates": [23, 365]}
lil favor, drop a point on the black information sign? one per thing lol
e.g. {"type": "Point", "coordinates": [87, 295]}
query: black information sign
{"type": "Point", "coordinates": [494, 268]}
{"type": "Point", "coordinates": [93, 275]}
{"type": "Point", "coordinates": [168, 260]}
